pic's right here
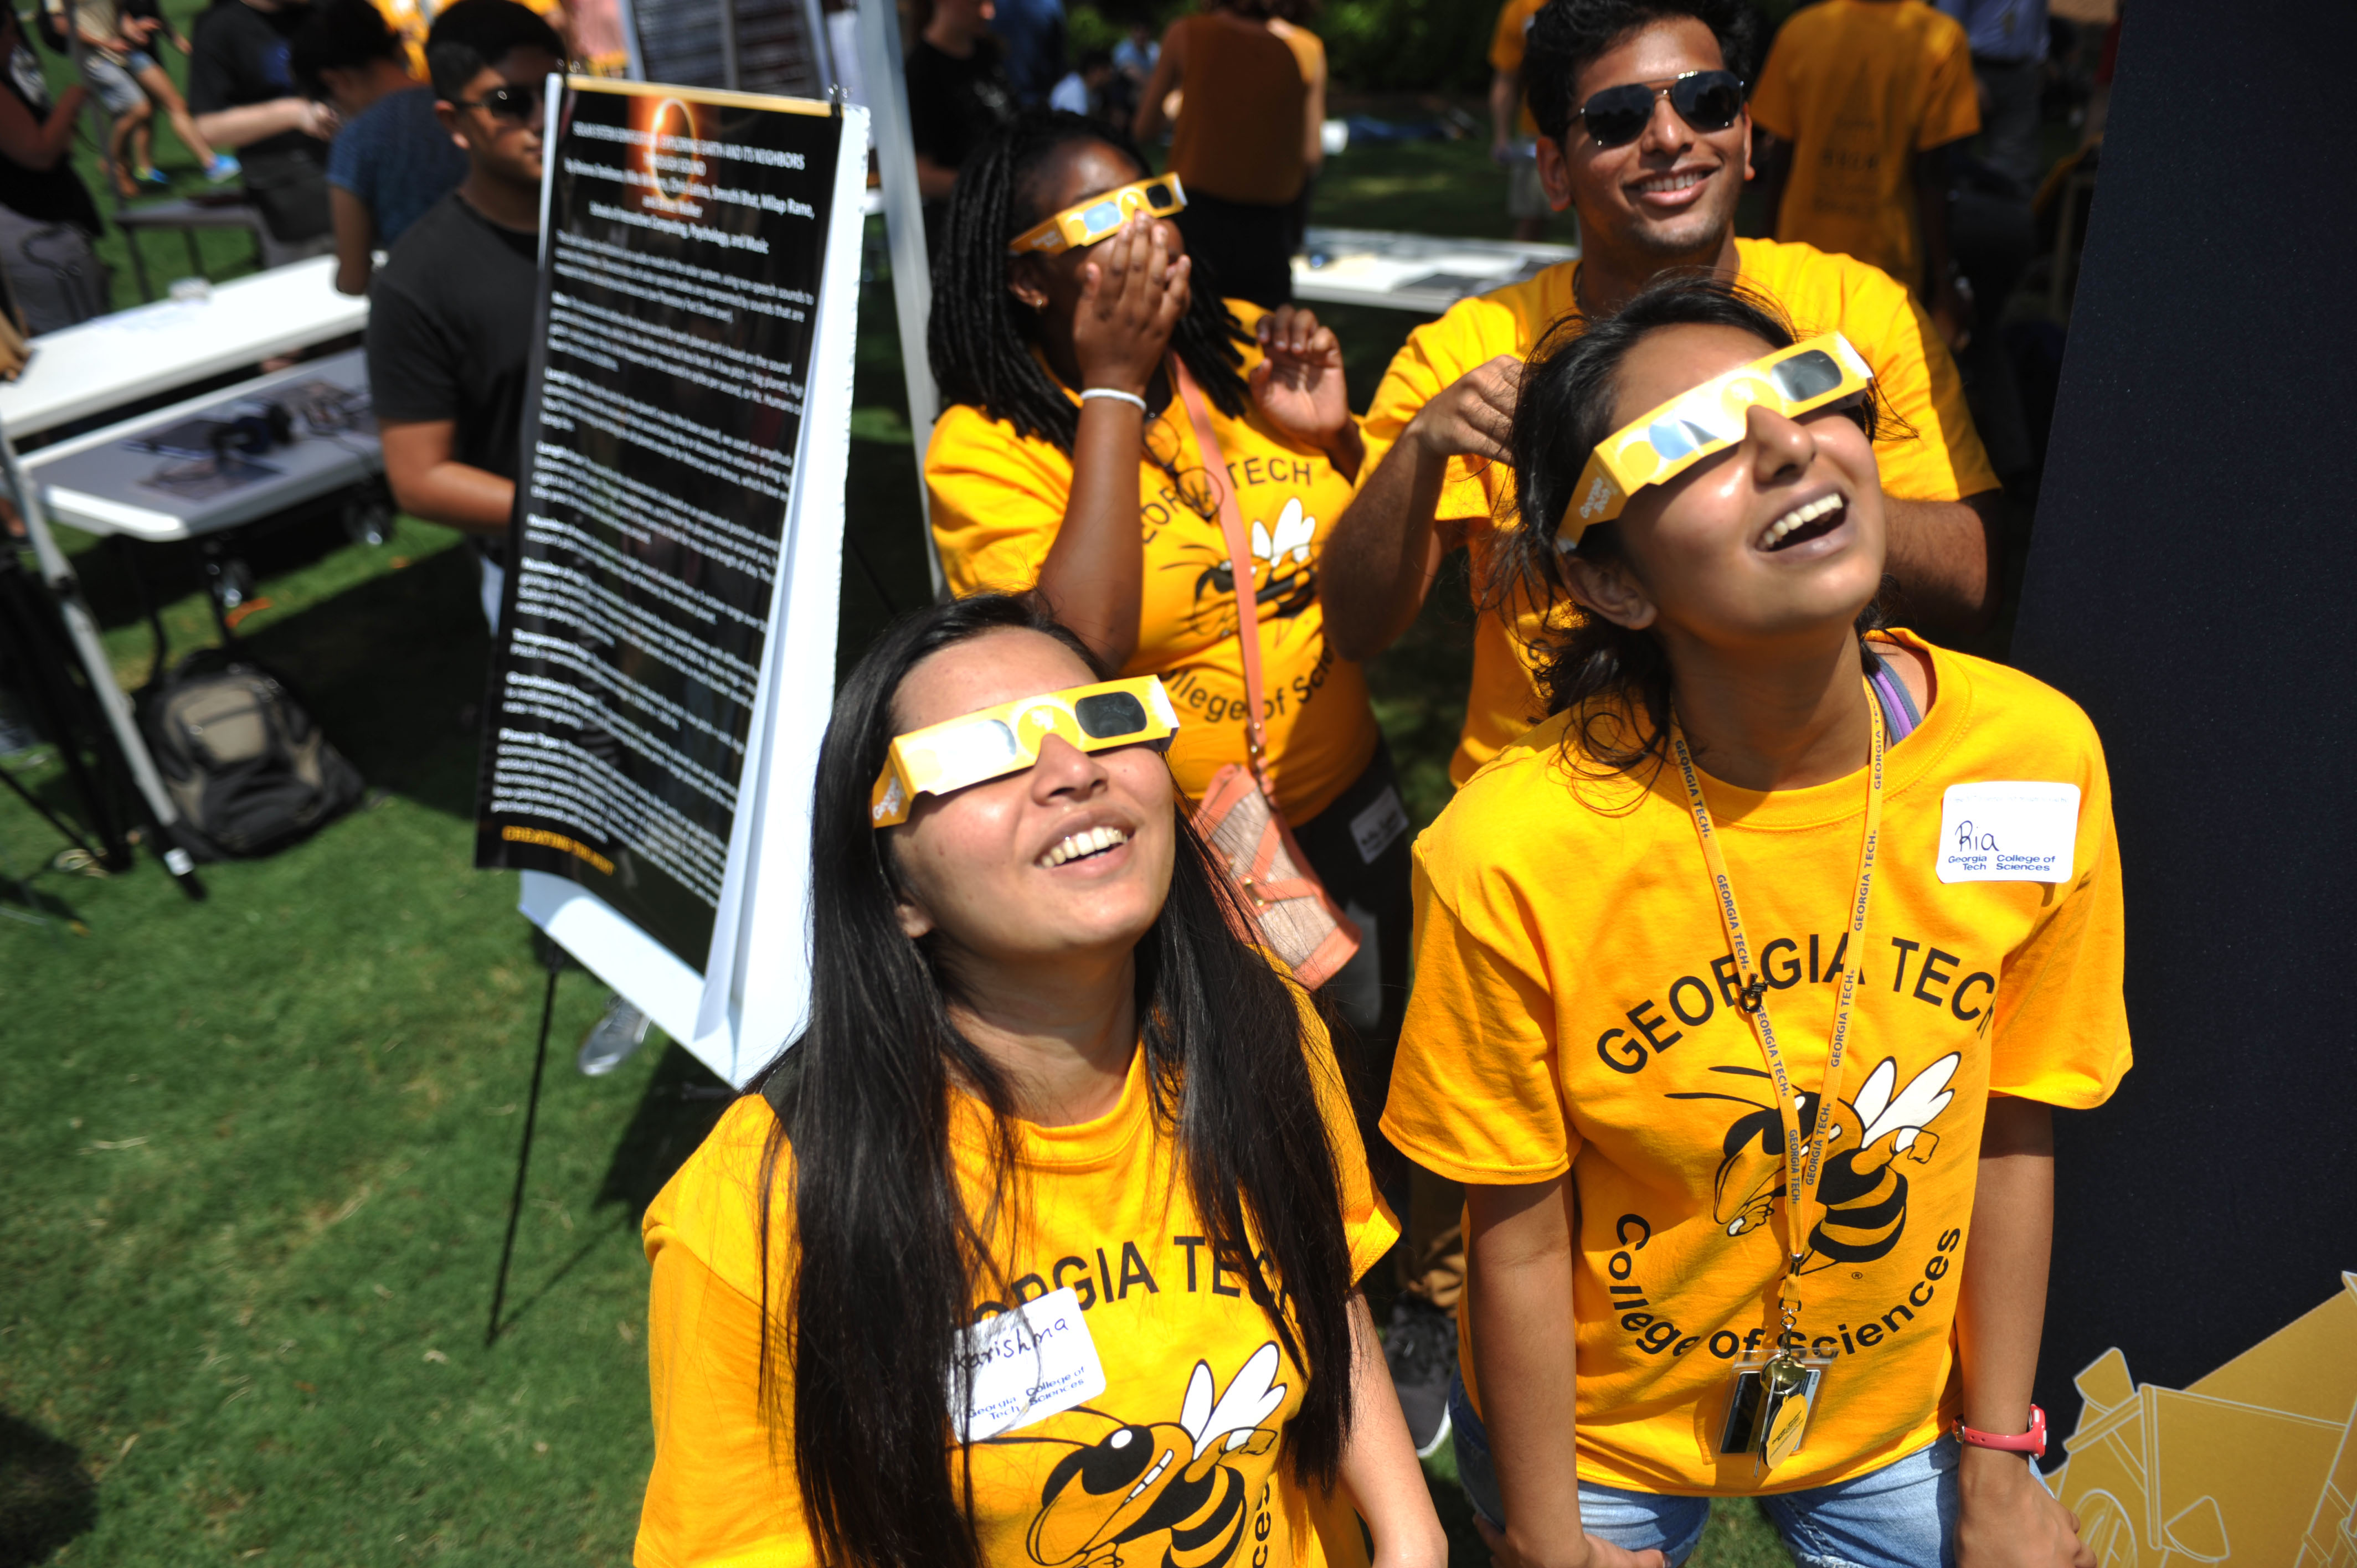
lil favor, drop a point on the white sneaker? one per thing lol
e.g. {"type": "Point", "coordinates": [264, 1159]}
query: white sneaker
{"type": "Point", "coordinates": [1420, 1348]}
{"type": "Point", "coordinates": [613, 1039]}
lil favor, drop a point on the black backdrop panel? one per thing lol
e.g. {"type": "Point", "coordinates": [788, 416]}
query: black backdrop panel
{"type": "Point", "coordinates": [2193, 583]}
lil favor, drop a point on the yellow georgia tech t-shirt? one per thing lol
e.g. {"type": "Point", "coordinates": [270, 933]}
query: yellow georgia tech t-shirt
{"type": "Point", "coordinates": [1575, 1011]}
{"type": "Point", "coordinates": [1190, 1362]}
{"type": "Point", "coordinates": [1930, 453]}
{"type": "Point", "coordinates": [999, 499]}
{"type": "Point", "coordinates": [1859, 87]}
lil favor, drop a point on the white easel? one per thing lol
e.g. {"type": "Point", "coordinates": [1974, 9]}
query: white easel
{"type": "Point", "coordinates": [904, 231]}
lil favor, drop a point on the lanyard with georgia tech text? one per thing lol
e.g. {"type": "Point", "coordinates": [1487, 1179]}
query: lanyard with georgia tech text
{"type": "Point", "coordinates": [1800, 1170]}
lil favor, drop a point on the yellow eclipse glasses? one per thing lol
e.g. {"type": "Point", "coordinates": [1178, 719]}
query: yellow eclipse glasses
{"type": "Point", "coordinates": [1005, 740]}
{"type": "Point", "coordinates": [1097, 217]}
{"type": "Point", "coordinates": [1659, 445]}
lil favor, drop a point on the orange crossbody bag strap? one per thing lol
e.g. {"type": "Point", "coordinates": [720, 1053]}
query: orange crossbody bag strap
{"type": "Point", "coordinates": [1240, 561]}
{"type": "Point", "coordinates": [1298, 919]}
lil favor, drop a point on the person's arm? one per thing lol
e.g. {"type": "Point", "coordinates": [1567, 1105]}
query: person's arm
{"type": "Point", "coordinates": [1949, 312]}
{"type": "Point", "coordinates": [355, 241]}
{"type": "Point", "coordinates": [251, 123]}
{"type": "Point", "coordinates": [2006, 1518]}
{"type": "Point", "coordinates": [1167, 69]}
{"type": "Point", "coordinates": [1771, 164]}
{"type": "Point", "coordinates": [1093, 578]}
{"type": "Point", "coordinates": [716, 1491]}
{"type": "Point", "coordinates": [38, 144]}
{"type": "Point", "coordinates": [1313, 153]}
{"type": "Point", "coordinates": [1525, 1354]}
{"type": "Point", "coordinates": [934, 181]}
{"type": "Point", "coordinates": [1384, 551]}
{"type": "Point", "coordinates": [1948, 558]}
{"type": "Point", "coordinates": [428, 482]}
{"type": "Point", "coordinates": [1505, 93]}
{"type": "Point", "coordinates": [1380, 1464]}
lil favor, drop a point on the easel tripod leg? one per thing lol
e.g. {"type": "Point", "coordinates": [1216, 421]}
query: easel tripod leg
{"type": "Point", "coordinates": [524, 1158]}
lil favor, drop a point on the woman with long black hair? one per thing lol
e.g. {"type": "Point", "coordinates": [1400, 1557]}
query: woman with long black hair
{"type": "Point", "coordinates": [1745, 985]}
{"type": "Point", "coordinates": [1067, 463]}
{"type": "Point", "coordinates": [1039, 1246]}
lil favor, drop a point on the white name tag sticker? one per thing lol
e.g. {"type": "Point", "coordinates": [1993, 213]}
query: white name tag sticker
{"type": "Point", "coordinates": [1378, 827]}
{"type": "Point", "coordinates": [2008, 831]}
{"type": "Point", "coordinates": [1031, 1362]}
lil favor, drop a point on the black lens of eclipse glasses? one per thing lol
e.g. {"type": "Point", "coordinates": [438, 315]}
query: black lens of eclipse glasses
{"type": "Point", "coordinates": [1805, 376]}
{"type": "Point", "coordinates": [1705, 99]}
{"type": "Point", "coordinates": [1109, 713]}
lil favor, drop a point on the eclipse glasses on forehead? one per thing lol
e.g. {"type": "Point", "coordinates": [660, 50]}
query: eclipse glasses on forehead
{"type": "Point", "coordinates": [1705, 99]}
{"type": "Point", "coordinates": [1100, 215]}
{"type": "Point", "coordinates": [1658, 446]}
{"type": "Point", "coordinates": [1007, 739]}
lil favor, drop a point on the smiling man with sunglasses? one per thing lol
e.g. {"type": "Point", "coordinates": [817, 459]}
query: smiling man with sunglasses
{"type": "Point", "coordinates": [1643, 131]}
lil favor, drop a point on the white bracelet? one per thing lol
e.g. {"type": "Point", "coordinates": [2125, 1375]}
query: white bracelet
{"type": "Point", "coordinates": [1110, 392]}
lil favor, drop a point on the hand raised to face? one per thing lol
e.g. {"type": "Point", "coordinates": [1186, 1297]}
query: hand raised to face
{"type": "Point", "coordinates": [1132, 295]}
{"type": "Point", "coordinates": [1298, 384]}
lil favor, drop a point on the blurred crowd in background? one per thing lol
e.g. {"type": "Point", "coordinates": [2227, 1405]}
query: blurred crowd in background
{"type": "Point", "coordinates": [318, 113]}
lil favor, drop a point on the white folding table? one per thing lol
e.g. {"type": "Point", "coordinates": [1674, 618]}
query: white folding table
{"type": "Point", "coordinates": [1412, 271]}
{"type": "Point", "coordinates": [132, 355]}
{"type": "Point", "coordinates": [83, 373]}
{"type": "Point", "coordinates": [113, 481]}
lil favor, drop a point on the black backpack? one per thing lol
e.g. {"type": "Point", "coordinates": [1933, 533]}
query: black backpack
{"type": "Point", "coordinates": [249, 770]}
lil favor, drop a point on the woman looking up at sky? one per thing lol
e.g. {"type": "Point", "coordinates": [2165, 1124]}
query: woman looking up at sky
{"type": "Point", "coordinates": [1746, 986]}
{"type": "Point", "coordinates": [1055, 1143]}
{"type": "Point", "coordinates": [1067, 463]}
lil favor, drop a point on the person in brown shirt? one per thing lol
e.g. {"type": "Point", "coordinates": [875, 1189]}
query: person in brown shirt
{"type": "Point", "coordinates": [1245, 141]}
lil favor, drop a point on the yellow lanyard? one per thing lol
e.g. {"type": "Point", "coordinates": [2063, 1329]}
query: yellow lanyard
{"type": "Point", "coordinates": [1800, 1170]}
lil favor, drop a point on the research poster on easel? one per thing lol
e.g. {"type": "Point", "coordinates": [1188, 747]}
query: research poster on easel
{"type": "Point", "coordinates": [667, 633]}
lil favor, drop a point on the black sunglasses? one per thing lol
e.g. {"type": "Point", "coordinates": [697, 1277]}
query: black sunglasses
{"type": "Point", "coordinates": [1706, 100]}
{"type": "Point", "coordinates": [518, 104]}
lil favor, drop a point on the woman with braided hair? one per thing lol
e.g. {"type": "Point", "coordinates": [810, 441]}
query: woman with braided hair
{"type": "Point", "coordinates": [1067, 324]}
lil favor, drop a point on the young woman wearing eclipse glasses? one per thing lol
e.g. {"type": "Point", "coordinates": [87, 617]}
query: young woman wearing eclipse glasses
{"type": "Point", "coordinates": [1056, 1144]}
{"type": "Point", "coordinates": [1079, 357]}
{"type": "Point", "coordinates": [1745, 985]}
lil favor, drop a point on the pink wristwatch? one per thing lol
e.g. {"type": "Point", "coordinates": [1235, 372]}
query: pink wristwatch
{"type": "Point", "coordinates": [2033, 1442]}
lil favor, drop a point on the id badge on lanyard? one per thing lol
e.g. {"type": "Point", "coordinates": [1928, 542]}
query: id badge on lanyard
{"type": "Point", "coordinates": [1775, 1391]}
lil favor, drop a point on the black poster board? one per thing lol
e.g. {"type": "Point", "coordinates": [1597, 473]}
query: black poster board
{"type": "Point", "coordinates": [2188, 584]}
{"type": "Point", "coordinates": [683, 246]}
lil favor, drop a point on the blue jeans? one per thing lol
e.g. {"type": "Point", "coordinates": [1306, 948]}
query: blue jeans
{"type": "Point", "coordinates": [1902, 1516]}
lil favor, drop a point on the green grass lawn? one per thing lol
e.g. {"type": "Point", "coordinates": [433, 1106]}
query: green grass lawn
{"type": "Point", "coordinates": [260, 1148]}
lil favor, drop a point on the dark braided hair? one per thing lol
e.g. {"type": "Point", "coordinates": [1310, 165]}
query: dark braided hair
{"type": "Point", "coordinates": [981, 337]}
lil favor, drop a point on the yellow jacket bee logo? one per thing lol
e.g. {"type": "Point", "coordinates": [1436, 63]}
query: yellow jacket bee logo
{"type": "Point", "coordinates": [1864, 1193]}
{"type": "Point", "coordinates": [1163, 1492]}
